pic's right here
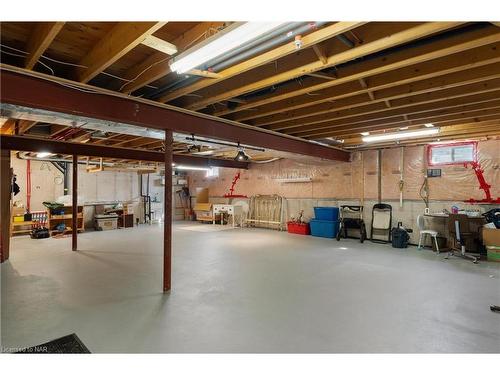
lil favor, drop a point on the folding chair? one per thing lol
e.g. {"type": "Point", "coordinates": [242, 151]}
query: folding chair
{"type": "Point", "coordinates": [381, 221]}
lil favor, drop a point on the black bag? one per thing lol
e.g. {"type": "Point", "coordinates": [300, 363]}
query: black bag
{"type": "Point", "coordinates": [400, 238]}
{"type": "Point", "coordinates": [38, 233]}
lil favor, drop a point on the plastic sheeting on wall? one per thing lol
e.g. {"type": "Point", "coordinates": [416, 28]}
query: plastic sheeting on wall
{"type": "Point", "coordinates": [349, 180]}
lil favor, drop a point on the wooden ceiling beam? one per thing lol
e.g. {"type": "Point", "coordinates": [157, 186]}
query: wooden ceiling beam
{"type": "Point", "coordinates": [305, 106]}
{"type": "Point", "coordinates": [8, 126]}
{"type": "Point", "coordinates": [157, 65]}
{"type": "Point", "coordinates": [18, 143]}
{"type": "Point", "coordinates": [406, 106]}
{"type": "Point", "coordinates": [40, 39]}
{"type": "Point", "coordinates": [429, 57]}
{"type": "Point", "coordinates": [452, 132]}
{"type": "Point", "coordinates": [321, 53]}
{"type": "Point", "coordinates": [362, 123]}
{"type": "Point", "coordinates": [120, 39]}
{"type": "Point", "coordinates": [307, 41]}
{"type": "Point", "coordinates": [397, 122]}
{"type": "Point", "coordinates": [437, 86]}
{"type": "Point", "coordinates": [335, 59]}
{"type": "Point", "coordinates": [25, 125]}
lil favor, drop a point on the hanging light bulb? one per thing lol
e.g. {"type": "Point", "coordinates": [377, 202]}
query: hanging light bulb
{"type": "Point", "coordinates": [241, 155]}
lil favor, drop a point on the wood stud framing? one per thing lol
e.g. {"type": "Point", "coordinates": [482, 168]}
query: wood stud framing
{"type": "Point", "coordinates": [434, 79]}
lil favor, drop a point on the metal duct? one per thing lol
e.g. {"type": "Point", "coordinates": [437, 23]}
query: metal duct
{"type": "Point", "coordinates": [267, 45]}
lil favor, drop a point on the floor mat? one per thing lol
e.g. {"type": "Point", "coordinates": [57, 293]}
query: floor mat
{"type": "Point", "coordinates": [63, 345]}
{"type": "Point", "coordinates": [207, 228]}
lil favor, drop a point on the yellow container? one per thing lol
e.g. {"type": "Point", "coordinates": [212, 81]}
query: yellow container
{"type": "Point", "coordinates": [19, 218]}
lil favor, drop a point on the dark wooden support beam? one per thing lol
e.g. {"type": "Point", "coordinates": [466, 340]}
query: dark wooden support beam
{"type": "Point", "coordinates": [5, 204]}
{"type": "Point", "coordinates": [74, 208]}
{"type": "Point", "coordinates": [18, 143]}
{"type": "Point", "coordinates": [167, 225]}
{"type": "Point", "coordinates": [34, 90]}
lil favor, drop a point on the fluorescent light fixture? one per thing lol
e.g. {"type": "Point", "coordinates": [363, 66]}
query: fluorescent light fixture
{"type": "Point", "coordinates": [43, 154]}
{"type": "Point", "coordinates": [429, 125]}
{"type": "Point", "coordinates": [365, 133]}
{"type": "Point", "coordinates": [188, 168]}
{"type": "Point", "coordinates": [400, 135]}
{"type": "Point", "coordinates": [226, 40]}
{"type": "Point", "coordinates": [404, 128]}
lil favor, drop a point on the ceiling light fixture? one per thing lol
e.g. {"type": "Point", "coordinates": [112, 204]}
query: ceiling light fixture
{"type": "Point", "coordinates": [189, 168]}
{"type": "Point", "coordinates": [365, 133]}
{"type": "Point", "coordinates": [400, 135]}
{"type": "Point", "coordinates": [241, 155]}
{"type": "Point", "coordinates": [429, 125]}
{"type": "Point", "coordinates": [238, 34]}
{"type": "Point", "coordinates": [43, 154]}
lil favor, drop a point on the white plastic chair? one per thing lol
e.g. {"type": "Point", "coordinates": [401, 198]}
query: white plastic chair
{"type": "Point", "coordinates": [423, 232]}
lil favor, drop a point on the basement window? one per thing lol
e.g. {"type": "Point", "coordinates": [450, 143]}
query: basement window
{"type": "Point", "coordinates": [452, 153]}
{"type": "Point", "coordinates": [213, 172]}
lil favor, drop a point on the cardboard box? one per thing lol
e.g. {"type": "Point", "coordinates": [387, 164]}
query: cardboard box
{"type": "Point", "coordinates": [491, 237]}
{"type": "Point", "coordinates": [16, 211]}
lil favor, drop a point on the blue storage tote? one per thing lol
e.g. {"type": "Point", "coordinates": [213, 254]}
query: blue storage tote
{"type": "Point", "coordinates": [324, 228]}
{"type": "Point", "coordinates": [326, 213]}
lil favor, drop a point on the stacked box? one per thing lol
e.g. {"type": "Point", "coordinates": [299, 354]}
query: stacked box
{"type": "Point", "coordinates": [326, 222]}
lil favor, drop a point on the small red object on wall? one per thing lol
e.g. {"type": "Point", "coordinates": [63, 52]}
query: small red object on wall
{"type": "Point", "coordinates": [231, 189]}
{"type": "Point", "coordinates": [483, 185]}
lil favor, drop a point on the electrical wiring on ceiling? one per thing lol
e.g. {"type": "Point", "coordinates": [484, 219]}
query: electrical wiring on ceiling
{"type": "Point", "coordinates": [205, 35]}
{"type": "Point", "coordinates": [63, 63]}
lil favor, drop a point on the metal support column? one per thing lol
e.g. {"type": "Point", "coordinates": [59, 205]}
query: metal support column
{"type": "Point", "coordinates": [167, 225]}
{"type": "Point", "coordinates": [74, 211]}
{"type": "Point", "coordinates": [5, 204]}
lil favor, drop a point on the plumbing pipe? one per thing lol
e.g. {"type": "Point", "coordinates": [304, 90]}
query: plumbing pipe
{"type": "Point", "coordinates": [267, 45]}
{"type": "Point", "coordinates": [253, 44]}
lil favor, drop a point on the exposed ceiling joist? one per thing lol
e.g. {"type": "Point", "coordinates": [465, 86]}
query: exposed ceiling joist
{"type": "Point", "coordinates": [42, 36]}
{"type": "Point", "coordinates": [121, 39]}
{"type": "Point", "coordinates": [17, 143]}
{"type": "Point", "coordinates": [438, 86]}
{"type": "Point", "coordinates": [160, 45]}
{"type": "Point", "coordinates": [335, 59]}
{"type": "Point", "coordinates": [398, 60]}
{"type": "Point", "coordinates": [279, 52]}
{"type": "Point", "coordinates": [157, 66]}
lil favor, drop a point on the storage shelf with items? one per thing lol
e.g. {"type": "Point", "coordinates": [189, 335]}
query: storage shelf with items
{"type": "Point", "coordinates": [23, 222]}
{"type": "Point", "coordinates": [60, 220]}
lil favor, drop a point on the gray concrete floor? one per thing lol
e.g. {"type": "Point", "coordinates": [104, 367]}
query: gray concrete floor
{"type": "Point", "coordinates": [246, 290]}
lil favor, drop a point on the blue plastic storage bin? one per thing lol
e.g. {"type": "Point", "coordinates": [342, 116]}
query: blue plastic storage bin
{"type": "Point", "coordinates": [324, 228]}
{"type": "Point", "coordinates": [326, 213]}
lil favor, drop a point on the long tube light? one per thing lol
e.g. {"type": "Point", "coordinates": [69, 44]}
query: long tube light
{"type": "Point", "coordinates": [400, 135]}
{"type": "Point", "coordinates": [234, 36]}
{"type": "Point", "coordinates": [189, 168]}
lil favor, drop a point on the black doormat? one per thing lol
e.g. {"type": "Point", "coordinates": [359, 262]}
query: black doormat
{"type": "Point", "coordinates": [63, 345]}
